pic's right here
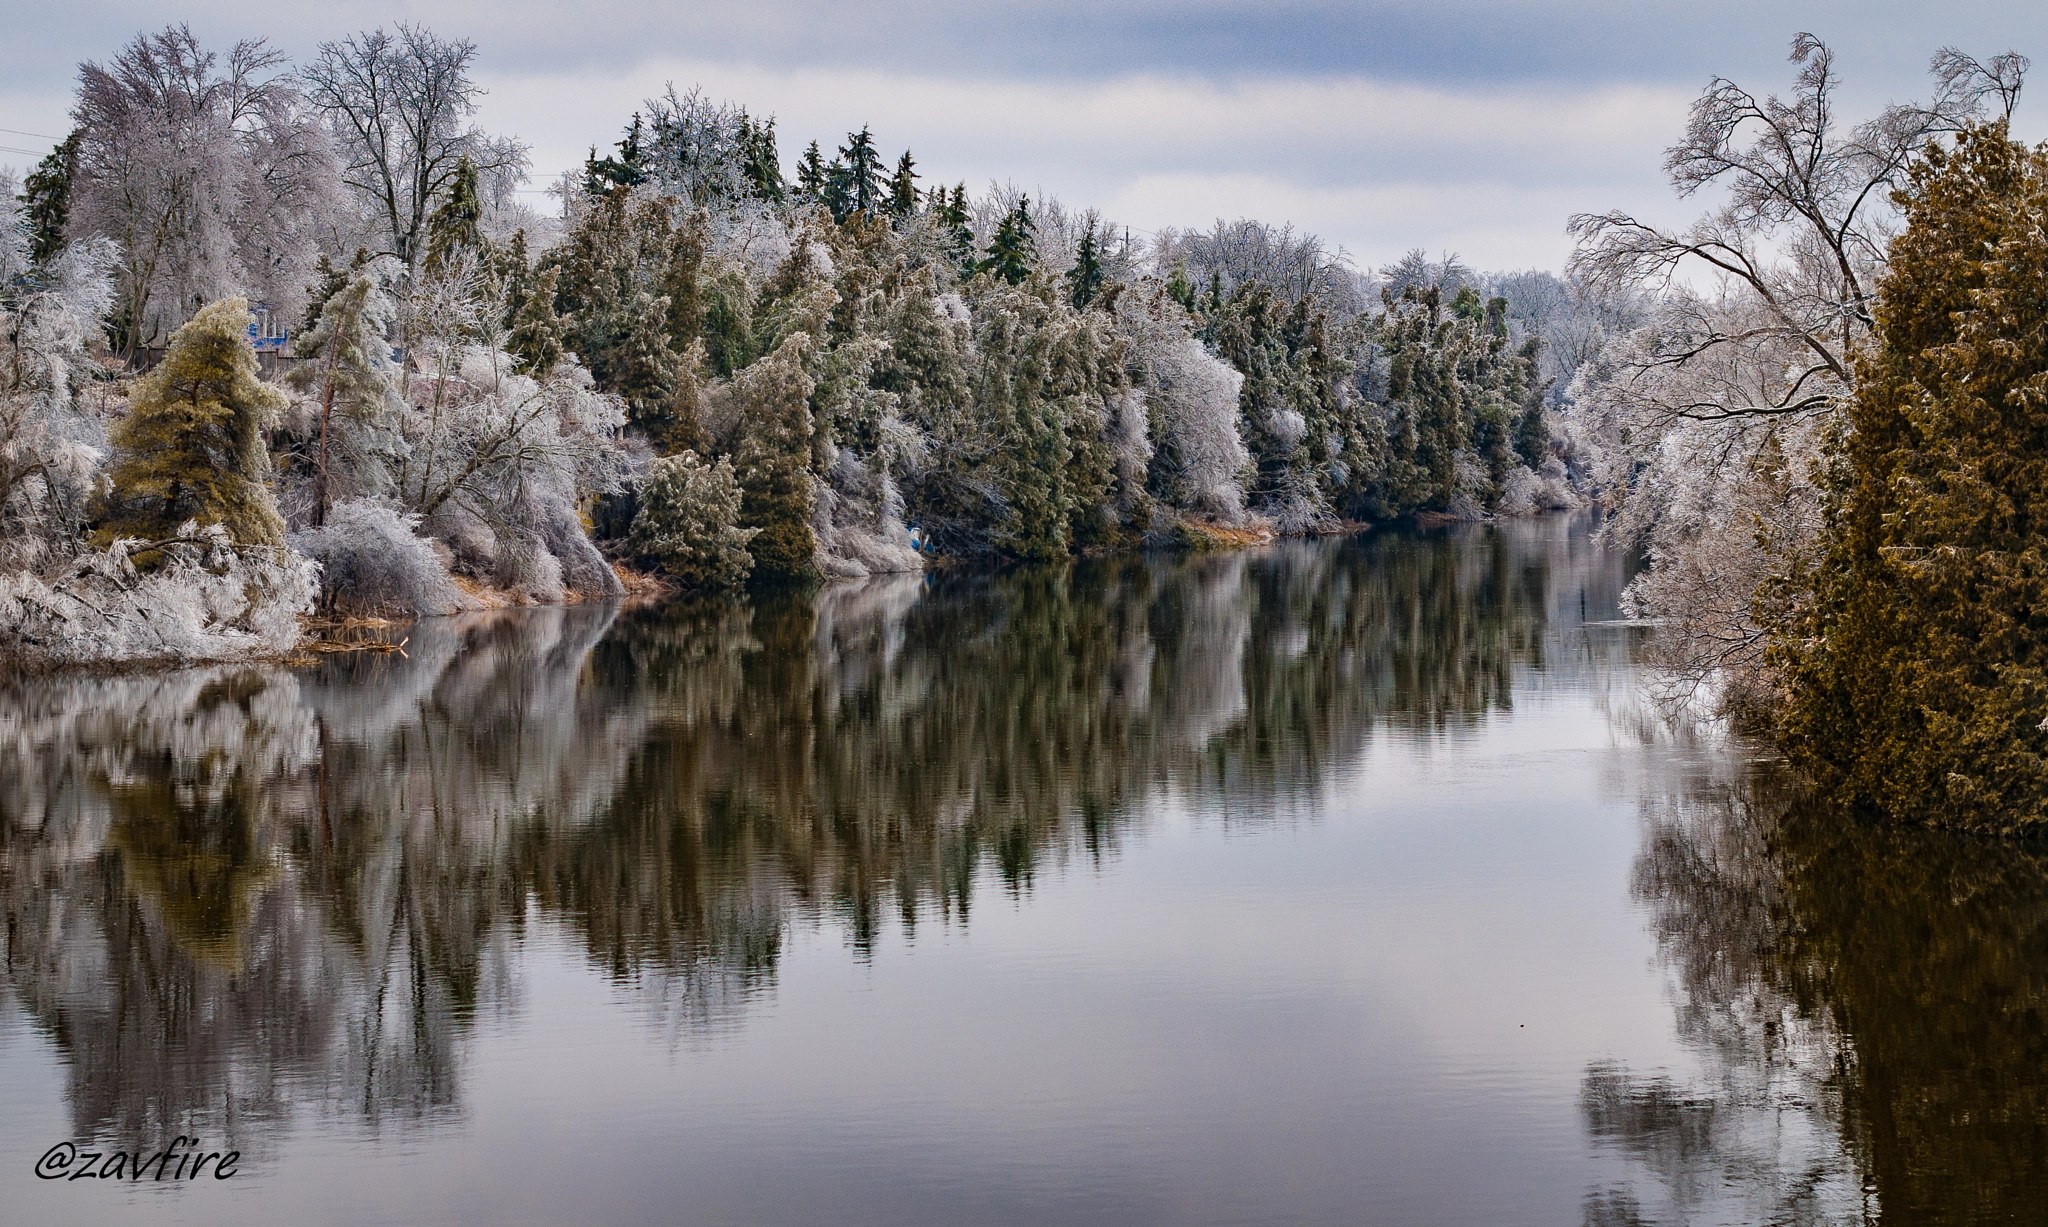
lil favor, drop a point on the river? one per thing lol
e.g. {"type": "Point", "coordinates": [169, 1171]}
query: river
{"type": "Point", "coordinates": [1346, 881]}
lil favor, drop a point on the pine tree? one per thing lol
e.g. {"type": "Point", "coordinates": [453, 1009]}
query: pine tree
{"type": "Point", "coordinates": [191, 447]}
{"type": "Point", "coordinates": [1917, 669]}
{"type": "Point", "coordinates": [903, 188]}
{"type": "Point", "coordinates": [773, 461]}
{"type": "Point", "coordinates": [46, 195]}
{"type": "Point", "coordinates": [1011, 252]}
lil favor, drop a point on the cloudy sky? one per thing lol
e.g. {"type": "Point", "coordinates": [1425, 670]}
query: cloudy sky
{"type": "Point", "coordinates": [1468, 126]}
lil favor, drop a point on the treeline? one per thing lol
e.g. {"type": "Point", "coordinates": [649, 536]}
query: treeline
{"type": "Point", "coordinates": [696, 363]}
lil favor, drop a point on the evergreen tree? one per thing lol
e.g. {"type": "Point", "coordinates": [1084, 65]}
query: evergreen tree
{"type": "Point", "coordinates": [1180, 289]}
{"type": "Point", "coordinates": [1917, 670]}
{"type": "Point", "coordinates": [627, 169]}
{"type": "Point", "coordinates": [759, 161]}
{"type": "Point", "coordinates": [1084, 280]}
{"type": "Point", "coordinates": [1011, 251]}
{"type": "Point", "coordinates": [837, 194]}
{"type": "Point", "coordinates": [953, 217]}
{"type": "Point", "coordinates": [903, 188]}
{"type": "Point", "coordinates": [863, 174]}
{"type": "Point", "coordinates": [537, 332]}
{"type": "Point", "coordinates": [46, 197]}
{"type": "Point", "coordinates": [773, 461]}
{"type": "Point", "coordinates": [191, 447]}
{"type": "Point", "coordinates": [347, 367]}
{"type": "Point", "coordinates": [688, 521]}
{"type": "Point", "coordinates": [810, 175]}
{"type": "Point", "coordinates": [453, 227]}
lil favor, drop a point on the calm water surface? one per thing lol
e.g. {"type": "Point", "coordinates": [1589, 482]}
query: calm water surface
{"type": "Point", "coordinates": [1341, 882]}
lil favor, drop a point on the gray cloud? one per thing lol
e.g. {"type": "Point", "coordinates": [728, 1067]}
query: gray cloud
{"type": "Point", "coordinates": [1475, 124]}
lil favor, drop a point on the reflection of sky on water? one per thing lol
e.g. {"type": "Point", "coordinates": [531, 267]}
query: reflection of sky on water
{"type": "Point", "coordinates": [1293, 886]}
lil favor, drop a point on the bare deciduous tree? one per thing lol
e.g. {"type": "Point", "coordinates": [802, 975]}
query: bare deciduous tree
{"type": "Point", "coordinates": [1805, 226]}
{"type": "Point", "coordinates": [400, 105]}
{"type": "Point", "coordinates": [1708, 423]}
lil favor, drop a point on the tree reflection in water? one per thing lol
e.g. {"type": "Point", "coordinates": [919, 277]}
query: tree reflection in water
{"type": "Point", "coordinates": [231, 892]}
{"type": "Point", "coordinates": [1872, 1008]}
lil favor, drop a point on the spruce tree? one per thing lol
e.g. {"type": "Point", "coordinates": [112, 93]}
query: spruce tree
{"type": "Point", "coordinates": [837, 194]}
{"type": "Point", "coordinates": [759, 161]}
{"type": "Point", "coordinates": [903, 188]}
{"type": "Point", "coordinates": [1917, 669]}
{"type": "Point", "coordinates": [46, 197]}
{"type": "Point", "coordinates": [191, 447]}
{"type": "Point", "coordinates": [1011, 251]}
{"type": "Point", "coordinates": [953, 217]}
{"type": "Point", "coordinates": [810, 175]}
{"type": "Point", "coordinates": [1084, 280]}
{"type": "Point", "coordinates": [863, 174]}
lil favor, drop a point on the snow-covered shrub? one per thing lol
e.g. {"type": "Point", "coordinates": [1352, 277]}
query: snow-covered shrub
{"type": "Point", "coordinates": [689, 521]}
{"type": "Point", "coordinates": [1518, 493]}
{"type": "Point", "coordinates": [372, 562]}
{"type": "Point", "coordinates": [203, 598]}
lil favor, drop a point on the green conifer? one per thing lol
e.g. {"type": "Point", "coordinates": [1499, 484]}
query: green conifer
{"type": "Point", "coordinates": [191, 447]}
{"type": "Point", "coordinates": [347, 368]}
{"type": "Point", "coordinates": [1084, 280]}
{"type": "Point", "coordinates": [1917, 668]}
{"type": "Point", "coordinates": [453, 227]}
{"type": "Point", "coordinates": [1011, 252]}
{"type": "Point", "coordinates": [46, 197]}
{"type": "Point", "coordinates": [810, 175]}
{"type": "Point", "coordinates": [773, 461]}
{"type": "Point", "coordinates": [537, 332]}
{"type": "Point", "coordinates": [903, 188]}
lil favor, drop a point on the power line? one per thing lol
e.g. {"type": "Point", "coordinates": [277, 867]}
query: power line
{"type": "Point", "coordinates": [44, 135]}
{"type": "Point", "coordinates": [34, 153]}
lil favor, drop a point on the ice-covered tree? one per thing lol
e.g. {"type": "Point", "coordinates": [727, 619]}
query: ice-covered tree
{"type": "Point", "coordinates": [1917, 672]}
{"type": "Point", "coordinates": [1750, 356]}
{"type": "Point", "coordinates": [347, 367]}
{"type": "Point", "coordinates": [51, 440]}
{"type": "Point", "coordinates": [400, 105]}
{"type": "Point", "coordinates": [773, 460]}
{"type": "Point", "coordinates": [208, 172]}
{"type": "Point", "coordinates": [191, 449]}
{"type": "Point", "coordinates": [688, 521]}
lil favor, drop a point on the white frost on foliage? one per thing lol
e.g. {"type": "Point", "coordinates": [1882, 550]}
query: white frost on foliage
{"type": "Point", "coordinates": [858, 522]}
{"type": "Point", "coordinates": [373, 562]}
{"type": "Point", "coordinates": [208, 599]}
{"type": "Point", "coordinates": [1192, 399]}
{"type": "Point", "coordinates": [50, 444]}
